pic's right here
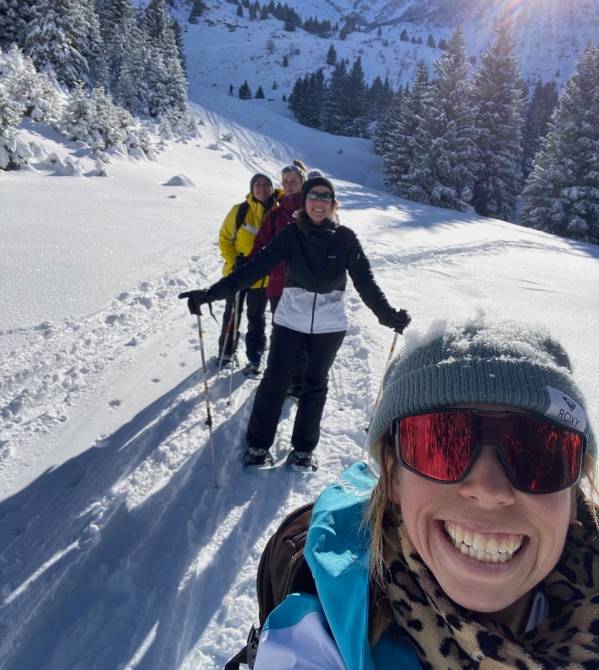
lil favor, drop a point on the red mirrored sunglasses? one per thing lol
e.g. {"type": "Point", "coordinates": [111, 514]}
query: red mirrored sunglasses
{"type": "Point", "coordinates": [538, 455]}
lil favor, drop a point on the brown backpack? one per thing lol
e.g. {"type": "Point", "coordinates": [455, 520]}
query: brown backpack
{"type": "Point", "coordinates": [282, 570]}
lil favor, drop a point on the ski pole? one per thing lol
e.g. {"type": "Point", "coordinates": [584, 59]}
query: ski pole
{"type": "Point", "coordinates": [207, 396]}
{"type": "Point", "coordinates": [226, 340]}
{"type": "Point", "coordinates": [336, 388]}
{"type": "Point", "coordinates": [378, 395]}
{"type": "Point", "coordinates": [234, 342]}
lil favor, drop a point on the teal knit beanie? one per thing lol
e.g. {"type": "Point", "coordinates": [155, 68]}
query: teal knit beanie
{"type": "Point", "coordinates": [505, 363]}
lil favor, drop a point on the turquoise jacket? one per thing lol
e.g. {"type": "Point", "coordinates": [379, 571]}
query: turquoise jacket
{"type": "Point", "coordinates": [330, 632]}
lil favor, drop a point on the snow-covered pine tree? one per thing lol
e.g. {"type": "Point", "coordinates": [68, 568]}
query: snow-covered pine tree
{"type": "Point", "coordinates": [14, 17]}
{"type": "Point", "coordinates": [117, 21]}
{"type": "Point", "coordinates": [355, 107]}
{"type": "Point", "coordinates": [399, 154]}
{"type": "Point", "coordinates": [13, 152]}
{"type": "Point", "coordinates": [379, 97]}
{"type": "Point", "coordinates": [561, 194]}
{"type": "Point", "coordinates": [197, 10]}
{"type": "Point", "coordinates": [331, 55]}
{"type": "Point", "coordinates": [167, 84]}
{"type": "Point", "coordinates": [78, 122]}
{"type": "Point", "coordinates": [314, 94]}
{"type": "Point", "coordinates": [35, 91]}
{"type": "Point", "coordinates": [245, 93]}
{"type": "Point", "coordinates": [333, 115]}
{"type": "Point", "coordinates": [537, 117]}
{"type": "Point", "coordinates": [499, 120]}
{"type": "Point", "coordinates": [260, 93]}
{"type": "Point", "coordinates": [386, 124]}
{"type": "Point", "coordinates": [86, 37]}
{"type": "Point", "coordinates": [442, 172]}
{"type": "Point", "coordinates": [131, 86]}
{"type": "Point", "coordinates": [295, 96]}
{"type": "Point", "coordinates": [53, 42]}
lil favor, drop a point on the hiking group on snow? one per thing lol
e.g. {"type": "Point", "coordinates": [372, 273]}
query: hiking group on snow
{"type": "Point", "coordinates": [476, 544]}
{"type": "Point", "coordinates": [305, 255]}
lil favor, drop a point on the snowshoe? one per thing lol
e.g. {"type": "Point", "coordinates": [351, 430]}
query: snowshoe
{"type": "Point", "coordinates": [301, 461]}
{"type": "Point", "coordinates": [252, 369]}
{"type": "Point", "coordinates": [258, 459]}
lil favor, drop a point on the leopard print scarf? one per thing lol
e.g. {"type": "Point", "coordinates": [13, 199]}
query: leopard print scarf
{"type": "Point", "coordinates": [446, 636]}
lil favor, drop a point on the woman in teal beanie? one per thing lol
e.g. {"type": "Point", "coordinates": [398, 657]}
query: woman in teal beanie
{"type": "Point", "coordinates": [477, 546]}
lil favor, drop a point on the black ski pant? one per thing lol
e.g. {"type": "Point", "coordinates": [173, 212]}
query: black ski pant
{"type": "Point", "coordinates": [300, 369]}
{"type": "Point", "coordinates": [255, 338]}
{"type": "Point", "coordinates": [286, 349]}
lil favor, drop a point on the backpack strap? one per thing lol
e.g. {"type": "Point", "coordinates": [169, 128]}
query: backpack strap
{"type": "Point", "coordinates": [282, 570]}
{"type": "Point", "coordinates": [241, 214]}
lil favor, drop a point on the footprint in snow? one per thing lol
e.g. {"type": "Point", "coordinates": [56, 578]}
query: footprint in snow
{"type": "Point", "coordinates": [115, 403]}
{"type": "Point", "coordinates": [155, 380]}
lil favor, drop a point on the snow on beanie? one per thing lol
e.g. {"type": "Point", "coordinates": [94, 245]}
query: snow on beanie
{"type": "Point", "coordinates": [308, 185]}
{"type": "Point", "coordinates": [477, 361]}
{"type": "Point", "coordinates": [255, 178]}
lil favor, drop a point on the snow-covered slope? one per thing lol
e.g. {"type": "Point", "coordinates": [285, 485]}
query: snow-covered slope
{"type": "Point", "coordinates": [116, 550]}
{"type": "Point", "coordinates": [224, 49]}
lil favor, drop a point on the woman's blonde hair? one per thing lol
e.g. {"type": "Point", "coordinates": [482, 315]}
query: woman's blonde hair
{"type": "Point", "coordinates": [381, 501]}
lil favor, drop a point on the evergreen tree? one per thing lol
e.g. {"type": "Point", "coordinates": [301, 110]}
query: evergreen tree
{"type": "Point", "coordinates": [165, 77]}
{"type": "Point", "coordinates": [197, 10]}
{"type": "Point", "coordinates": [245, 92]}
{"type": "Point", "coordinates": [561, 194]}
{"type": "Point", "coordinates": [398, 146]}
{"type": "Point", "coordinates": [239, 11]}
{"type": "Point", "coordinates": [117, 23]}
{"type": "Point", "coordinates": [331, 55]}
{"type": "Point", "coordinates": [355, 101]}
{"type": "Point", "coordinates": [334, 117]}
{"type": "Point", "coordinates": [259, 93]}
{"type": "Point", "coordinates": [131, 86]}
{"type": "Point", "coordinates": [538, 115]}
{"type": "Point", "coordinates": [382, 141]}
{"type": "Point", "coordinates": [87, 38]}
{"type": "Point", "coordinates": [444, 165]}
{"type": "Point", "coordinates": [431, 42]}
{"type": "Point", "coordinates": [14, 17]}
{"type": "Point", "coordinates": [53, 40]}
{"type": "Point", "coordinates": [442, 44]}
{"type": "Point", "coordinates": [499, 119]}
{"type": "Point", "coordinates": [403, 36]}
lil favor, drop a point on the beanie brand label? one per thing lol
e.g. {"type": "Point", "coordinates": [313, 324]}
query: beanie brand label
{"type": "Point", "coordinates": [564, 409]}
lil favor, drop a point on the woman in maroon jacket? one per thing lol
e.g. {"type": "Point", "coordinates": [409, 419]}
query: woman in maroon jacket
{"type": "Point", "coordinates": [292, 178]}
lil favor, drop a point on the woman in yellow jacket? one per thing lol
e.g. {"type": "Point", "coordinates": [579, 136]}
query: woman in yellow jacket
{"type": "Point", "coordinates": [236, 240]}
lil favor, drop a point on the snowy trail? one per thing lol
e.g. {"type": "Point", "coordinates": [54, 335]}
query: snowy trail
{"type": "Point", "coordinates": [129, 537]}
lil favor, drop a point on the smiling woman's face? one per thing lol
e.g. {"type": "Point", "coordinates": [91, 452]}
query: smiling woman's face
{"type": "Point", "coordinates": [319, 210]}
{"type": "Point", "coordinates": [487, 544]}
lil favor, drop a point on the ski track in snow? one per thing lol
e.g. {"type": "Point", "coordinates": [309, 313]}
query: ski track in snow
{"type": "Point", "coordinates": [131, 537]}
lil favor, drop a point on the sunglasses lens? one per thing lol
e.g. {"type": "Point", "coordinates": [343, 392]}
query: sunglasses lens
{"type": "Point", "coordinates": [539, 456]}
{"type": "Point", "coordinates": [542, 457]}
{"type": "Point", "coordinates": [327, 196]}
{"type": "Point", "coordinates": [436, 445]}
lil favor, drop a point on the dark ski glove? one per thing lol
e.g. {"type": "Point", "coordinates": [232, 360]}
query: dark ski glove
{"type": "Point", "coordinates": [195, 299]}
{"type": "Point", "coordinates": [397, 319]}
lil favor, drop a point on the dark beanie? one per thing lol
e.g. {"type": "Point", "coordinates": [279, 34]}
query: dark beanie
{"type": "Point", "coordinates": [257, 176]}
{"type": "Point", "coordinates": [316, 181]}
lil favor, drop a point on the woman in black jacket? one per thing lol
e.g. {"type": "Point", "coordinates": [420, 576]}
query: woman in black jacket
{"type": "Point", "coordinates": [318, 253]}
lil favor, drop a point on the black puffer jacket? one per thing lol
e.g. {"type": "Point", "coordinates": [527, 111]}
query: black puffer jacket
{"type": "Point", "coordinates": [317, 259]}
